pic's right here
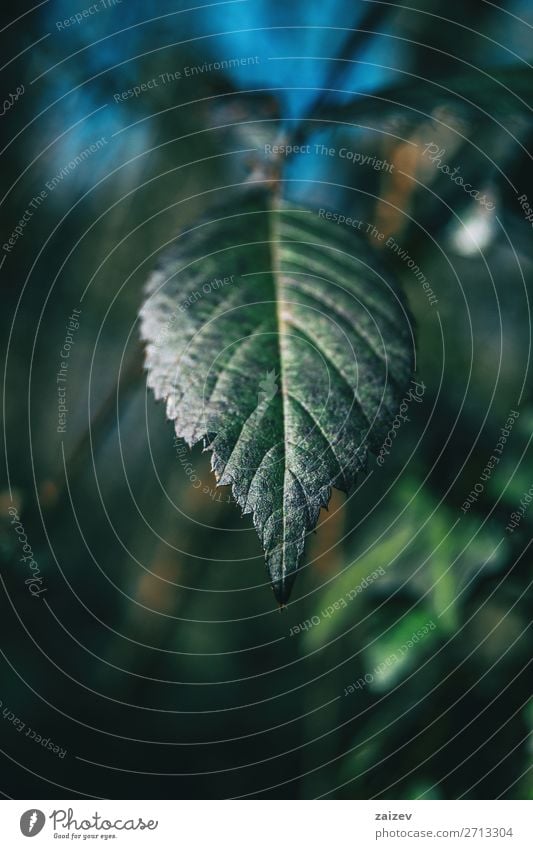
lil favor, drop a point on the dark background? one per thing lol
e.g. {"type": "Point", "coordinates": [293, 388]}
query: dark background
{"type": "Point", "coordinates": [157, 656]}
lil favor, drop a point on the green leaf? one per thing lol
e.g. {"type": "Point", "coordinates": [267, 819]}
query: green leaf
{"type": "Point", "coordinates": [276, 338]}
